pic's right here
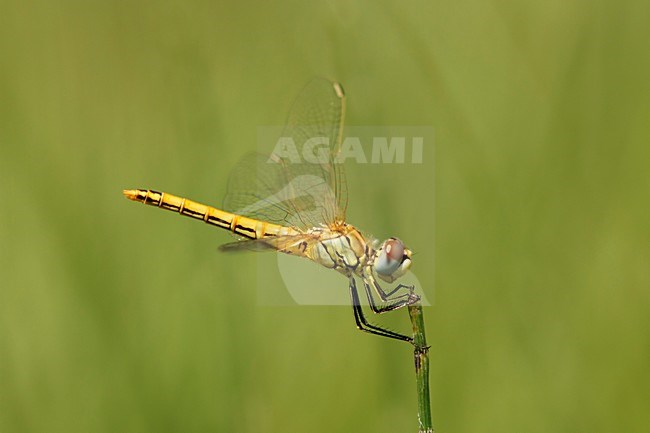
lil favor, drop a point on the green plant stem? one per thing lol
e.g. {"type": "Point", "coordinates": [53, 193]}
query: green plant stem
{"type": "Point", "coordinates": [421, 357]}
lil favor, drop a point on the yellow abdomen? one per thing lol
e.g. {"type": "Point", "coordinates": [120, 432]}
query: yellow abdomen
{"type": "Point", "coordinates": [241, 225]}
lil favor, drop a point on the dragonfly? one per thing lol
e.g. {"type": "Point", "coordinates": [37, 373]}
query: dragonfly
{"type": "Point", "coordinates": [294, 201]}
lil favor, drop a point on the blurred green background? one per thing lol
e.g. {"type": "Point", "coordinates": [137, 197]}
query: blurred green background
{"type": "Point", "coordinates": [530, 222]}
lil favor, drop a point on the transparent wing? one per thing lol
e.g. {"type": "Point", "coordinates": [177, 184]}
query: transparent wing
{"type": "Point", "coordinates": [274, 243]}
{"type": "Point", "coordinates": [257, 190]}
{"type": "Point", "coordinates": [299, 184]}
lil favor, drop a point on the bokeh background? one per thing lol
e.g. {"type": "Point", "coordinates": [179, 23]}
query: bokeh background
{"type": "Point", "coordinates": [530, 219]}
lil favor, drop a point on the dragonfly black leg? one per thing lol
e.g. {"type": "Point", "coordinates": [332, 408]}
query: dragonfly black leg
{"type": "Point", "coordinates": [363, 324]}
{"type": "Point", "coordinates": [392, 292]}
{"type": "Point", "coordinates": [400, 302]}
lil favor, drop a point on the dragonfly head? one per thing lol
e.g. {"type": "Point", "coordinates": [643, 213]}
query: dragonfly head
{"type": "Point", "coordinates": [392, 260]}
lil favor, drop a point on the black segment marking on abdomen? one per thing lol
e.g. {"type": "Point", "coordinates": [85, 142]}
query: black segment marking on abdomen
{"type": "Point", "coordinates": [169, 206]}
{"type": "Point", "coordinates": [192, 213]}
{"type": "Point", "coordinates": [218, 221]}
{"type": "Point", "coordinates": [245, 231]}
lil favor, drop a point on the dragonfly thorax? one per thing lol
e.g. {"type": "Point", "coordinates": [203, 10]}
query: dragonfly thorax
{"type": "Point", "coordinates": [341, 248]}
{"type": "Point", "coordinates": [346, 250]}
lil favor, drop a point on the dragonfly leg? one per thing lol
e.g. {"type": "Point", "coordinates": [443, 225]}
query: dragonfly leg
{"type": "Point", "coordinates": [392, 303]}
{"type": "Point", "coordinates": [363, 324]}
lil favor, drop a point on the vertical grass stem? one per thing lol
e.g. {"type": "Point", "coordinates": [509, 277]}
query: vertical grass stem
{"type": "Point", "coordinates": [421, 358]}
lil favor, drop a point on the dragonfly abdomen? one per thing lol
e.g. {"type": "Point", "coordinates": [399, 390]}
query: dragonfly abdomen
{"type": "Point", "coordinates": [240, 225]}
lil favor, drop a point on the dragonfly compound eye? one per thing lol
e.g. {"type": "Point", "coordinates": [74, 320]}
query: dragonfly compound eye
{"type": "Point", "coordinates": [390, 257]}
{"type": "Point", "coordinates": [394, 249]}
